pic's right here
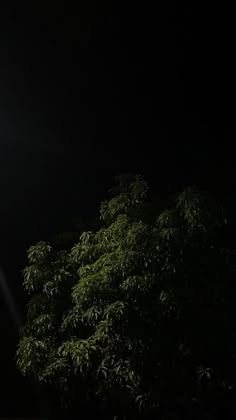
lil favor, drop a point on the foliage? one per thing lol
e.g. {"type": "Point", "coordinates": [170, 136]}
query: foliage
{"type": "Point", "coordinates": [138, 315]}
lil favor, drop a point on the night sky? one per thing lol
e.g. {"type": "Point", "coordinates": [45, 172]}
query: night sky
{"type": "Point", "coordinates": [97, 89]}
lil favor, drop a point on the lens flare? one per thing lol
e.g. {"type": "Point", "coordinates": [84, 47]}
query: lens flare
{"type": "Point", "coordinates": [6, 292]}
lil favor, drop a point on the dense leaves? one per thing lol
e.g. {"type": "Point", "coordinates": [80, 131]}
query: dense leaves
{"type": "Point", "coordinates": [139, 314]}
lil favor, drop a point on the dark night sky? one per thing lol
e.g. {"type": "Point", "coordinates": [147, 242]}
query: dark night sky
{"type": "Point", "coordinates": [93, 90]}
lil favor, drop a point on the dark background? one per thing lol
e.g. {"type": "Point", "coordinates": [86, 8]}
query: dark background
{"type": "Point", "coordinates": [93, 89]}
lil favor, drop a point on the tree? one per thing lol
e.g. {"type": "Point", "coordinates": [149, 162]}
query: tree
{"type": "Point", "coordinates": [139, 315]}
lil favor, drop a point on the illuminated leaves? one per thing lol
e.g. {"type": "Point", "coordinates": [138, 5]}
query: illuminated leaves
{"type": "Point", "coordinates": [43, 325]}
{"type": "Point", "coordinates": [82, 353]}
{"type": "Point", "coordinates": [83, 252]}
{"type": "Point", "coordinates": [58, 370]}
{"type": "Point", "coordinates": [132, 191]}
{"type": "Point", "coordinates": [34, 278]}
{"type": "Point", "coordinates": [92, 315]}
{"type": "Point", "coordinates": [135, 286]}
{"type": "Point", "coordinates": [115, 311]}
{"type": "Point", "coordinates": [130, 306]}
{"type": "Point", "coordinates": [39, 253]}
{"type": "Point", "coordinates": [29, 353]}
{"type": "Point", "coordinates": [204, 373]}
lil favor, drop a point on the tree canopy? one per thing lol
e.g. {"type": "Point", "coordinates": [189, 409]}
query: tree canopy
{"type": "Point", "coordinates": [138, 315]}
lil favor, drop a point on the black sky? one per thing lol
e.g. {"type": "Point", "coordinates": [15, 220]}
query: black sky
{"type": "Point", "coordinates": [93, 89]}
